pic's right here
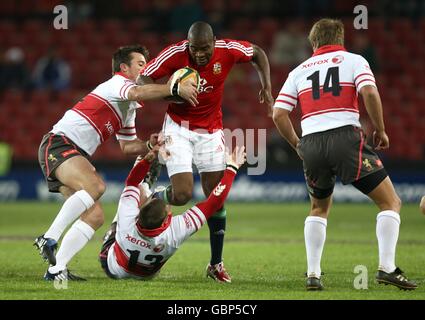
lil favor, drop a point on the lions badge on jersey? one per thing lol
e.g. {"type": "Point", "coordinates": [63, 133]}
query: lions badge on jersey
{"type": "Point", "coordinates": [217, 68]}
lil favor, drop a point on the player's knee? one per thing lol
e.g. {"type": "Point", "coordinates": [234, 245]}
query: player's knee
{"type": "Point", "coordinates": [180, 198]}
{"type": "Point", "coordinates": [396, 204]}
{"type": "Point", "coordinates": [319, 210]}
{"type": "Point", "coordinates": [96, 188]}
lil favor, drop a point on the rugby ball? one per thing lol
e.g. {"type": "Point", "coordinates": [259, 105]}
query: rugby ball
{"type": "Point", "coordinates": [182, 75]}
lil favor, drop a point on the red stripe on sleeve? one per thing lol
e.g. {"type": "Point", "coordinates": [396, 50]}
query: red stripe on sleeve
{"type": "Point", "coordinates": [289, 96]}
{"type": "Point", "coordinates": [284, 101]}
{"type": "Point", "coordinates": [137, 174]}
{"type": "Point", "coordinates": [363, 74]}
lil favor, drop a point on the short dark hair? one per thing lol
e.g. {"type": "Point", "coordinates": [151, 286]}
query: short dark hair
{"type": "Point", "coordinates": [152, 214]}
{"type": "Point", "coordinates": [123, 55]}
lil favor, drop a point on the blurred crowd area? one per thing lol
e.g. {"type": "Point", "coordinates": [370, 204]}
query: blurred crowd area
{"type": "Point", "coordinates": [44, 72]}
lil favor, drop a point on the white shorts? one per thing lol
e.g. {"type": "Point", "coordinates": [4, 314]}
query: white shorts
{"type": "Point", "coordinates": [204, 150]}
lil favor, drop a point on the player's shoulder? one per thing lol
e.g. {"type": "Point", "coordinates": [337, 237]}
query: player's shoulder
{"type": "Point", "coordinates": [175, 48]}
{"type": "Point", "coordinates": [232, 44]}
{"type": "Point", "coordinates": [115, 81]}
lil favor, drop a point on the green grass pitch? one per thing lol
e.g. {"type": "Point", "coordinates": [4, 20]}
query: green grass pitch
{"type": "Point", "coordinates": [264, 252]}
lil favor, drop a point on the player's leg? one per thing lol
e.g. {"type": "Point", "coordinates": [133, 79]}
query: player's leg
{"type": "Point", "coordinates": [315, 236]}
{"type": "Point", "coordinates": [75, 239]}
{"type": "Point", "coordinates": [209, 159]}
{"type": "Point", "coordinates": [379, 188]}
{"type": "Point", "coordinates": [179, 164]}
{"type": "Point", "coordinates": [217, 227]}
{"type": "Point", "coordinates": [180, 191]}
{"type": "Point", "coordinates": [320, 180]}
{"type": "Point", "coordinates": [77, 173]}
{"type": "Point", "coordinates": [364, 170]}
{"type": "Point", "coordinates": [64, 164]}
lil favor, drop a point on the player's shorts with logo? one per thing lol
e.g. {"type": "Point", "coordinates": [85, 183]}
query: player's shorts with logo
{"type": "Point", "coordinates": [341, 152]}
{"type": "Point", "coordinates": [205, 150]}
{"type": "Point", "coordinates": [53, 151]}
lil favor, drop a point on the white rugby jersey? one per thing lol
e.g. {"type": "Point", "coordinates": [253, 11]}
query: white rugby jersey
{"type": "Point", "coordinates": [100, 114]}
{"type": "Point", "coordinates": [326, 88]}
{"type": "Point", "coordinates": [134, 253]}
{"type": "Point", "coordinates": [140, 253]}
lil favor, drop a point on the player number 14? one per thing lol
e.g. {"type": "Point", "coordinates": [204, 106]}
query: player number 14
{"type": "Point", "coordinates": [331, 83]}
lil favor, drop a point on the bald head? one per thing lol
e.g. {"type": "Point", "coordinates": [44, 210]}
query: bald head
{"type": "Point", "coordinates": [200, 30]}
{"type": "Point", "coordinates": [201, 43]}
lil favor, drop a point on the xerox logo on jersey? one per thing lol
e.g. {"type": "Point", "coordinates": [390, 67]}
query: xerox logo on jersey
{"type": "Point", "coordinates": [337, 59]}
{"type": "Point", "coordinates": [204, 87]}
{"type": "Point", "coordinates": [138, 242]}
{"type": "Point", "coordinates": [315, 63]}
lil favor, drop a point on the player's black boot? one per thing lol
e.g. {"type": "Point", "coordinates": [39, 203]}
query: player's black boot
{"type": "Point", "coordinates": [313, 284]}
{"type": "Point", "coordinates": [47, 248]}
{"type": "Point", "coordinates": [395, 278]}
{"type": "Point", "coordinates": [62, 275]}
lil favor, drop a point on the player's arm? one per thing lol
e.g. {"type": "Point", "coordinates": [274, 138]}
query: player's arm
{"type": "Point", "coordinates": [138, 147]}
{"type": "Point", "coordinates": [134, 196]}
{"type": "Point", "coordinates": [261, 64]}
{"type": "Point", "coordinates": [285, 103]}
{"type": "Point", "coordinates": [192, 220]}
{"type": "Point", "coordinates": [218, 196]}
{"type": "Point", "coordinates": [139, 171]}
{"type": "Point", "coordinates": [284, 126]}
{"type": "Point", "coordinates": [142, 80]}
{"type": "Point", "coordinates": [372, 102]}
{"type": "Point", "coordinates": [186, 90]}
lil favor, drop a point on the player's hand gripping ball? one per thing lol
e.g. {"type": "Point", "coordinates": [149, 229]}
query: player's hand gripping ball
{"type": "Point", "coordinates": [180, 76]}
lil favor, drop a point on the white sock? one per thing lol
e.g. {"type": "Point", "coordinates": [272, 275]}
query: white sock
{"type": "Point", "coordinates": [73, 241]}
{"type": "Point", "coordinates": [315, 236]}
{"type": "Point", "coordinates": [71, 209]}
{"type": "Point", "coordinates": [387, 228]}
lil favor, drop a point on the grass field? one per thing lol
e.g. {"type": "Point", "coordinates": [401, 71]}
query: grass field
{"type": "Point", "coordinates": [264, 253]}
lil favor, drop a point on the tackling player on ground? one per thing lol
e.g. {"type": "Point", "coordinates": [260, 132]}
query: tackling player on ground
{"type": "Point", "coordinates": [146, 233]}
{"type": "Point", "coordinates": [194, 134]}
{"type": "Point", "coordinates": [65, 151]}
{"type": "Point", "coordinates": [325, 87]}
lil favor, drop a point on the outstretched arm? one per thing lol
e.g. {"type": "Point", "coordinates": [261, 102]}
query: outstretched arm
{"type": "Point", "coordinates": [139, 171]}
{"type": "Point", "coordinates": [138, 147]}
{"type": "Point", "coordinates": [218, 196]}
{"type": "Point", "coordinates": [151, 91]}
{"type": "Point", "coordinates": [261, 64]}
{"type": "Point", "coordinates": [142, 80]}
